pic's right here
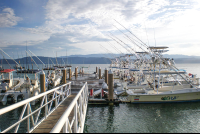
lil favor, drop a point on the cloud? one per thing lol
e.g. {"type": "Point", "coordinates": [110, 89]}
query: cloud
{"type": "Point", "coordinates": [80, 26]}
{"type": "Point", "coordinates": [8, 18]}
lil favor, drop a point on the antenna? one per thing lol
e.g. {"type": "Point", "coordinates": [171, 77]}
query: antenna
{"type": "Point", "coordinates": [26, 55]}
{"type": "Point", "coordinates": [146, 33]}
{"type": "Point", "coordinates": [154, 36]}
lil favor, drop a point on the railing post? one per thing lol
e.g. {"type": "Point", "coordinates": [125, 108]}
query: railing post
{"type": "Point", "coordinates": [70, 88]}
{"type": "Point", "coordinates": [101, 93]}
{"type": "Point", "coordinates": [65, 127]}
{"type": "Point", "coordinates": [56, 101]}
{"type": "Point", "coordinates": [62, 93]}
{"type": "Point", "coordinates": [28, 119]}
{"type": "Point", "coordinates": [80, 108]}
{"type": "Point", "coordinates": [46, 107]}
{"type": "Point", "coordinates": [75, 120]}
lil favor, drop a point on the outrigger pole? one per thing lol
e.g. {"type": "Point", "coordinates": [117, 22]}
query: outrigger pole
{"type": "Point", "coordinates": [37, 57]}
{"type": "Point", "coordinates": [10, 57]}
{"type": "Point", "coordinates": [152, 52]}
{"type": "Point", "coordinates": [32, 59]}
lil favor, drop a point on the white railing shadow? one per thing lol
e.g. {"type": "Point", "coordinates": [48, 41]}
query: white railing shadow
{"type": "Point", "coordinates": [35, 117]}
{"type": "Point", "coordinates": [78, 108]}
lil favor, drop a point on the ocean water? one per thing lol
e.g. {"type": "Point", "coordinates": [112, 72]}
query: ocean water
{"type": "Point", "coordinates": [146, 118]}
{"type": "Point", "coordinates": [134, 118]}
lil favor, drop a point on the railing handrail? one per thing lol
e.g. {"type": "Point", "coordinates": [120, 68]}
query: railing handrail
{"type": "Point", "coordinates": [19, 104]}
{"type": "Point", "coordinates": [59, 125]}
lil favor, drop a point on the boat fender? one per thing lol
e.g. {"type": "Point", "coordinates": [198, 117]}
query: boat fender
{"type": "Point", "coordinates": [20, 97]}
{"type": "Point", "coordinates": [133, 79]}
{"type": "Point", "coordinates": [36, 93]}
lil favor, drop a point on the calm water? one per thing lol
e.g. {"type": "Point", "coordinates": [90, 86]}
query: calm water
{"type": "Point", "coordinates": [134, 118]}
{"type": "Point", "coordinates": [146, 118]}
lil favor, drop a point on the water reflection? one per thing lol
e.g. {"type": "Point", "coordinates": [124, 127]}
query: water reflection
{"type": "Point", "coordinates": [144, 118]}
{"type": "Point", "coordinates": [110, 114]}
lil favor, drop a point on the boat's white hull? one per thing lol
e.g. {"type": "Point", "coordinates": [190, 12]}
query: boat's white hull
{"type": "Point", "coordinates": [15, 96]}
{"type": "Point", "coordinates": [190, 95]}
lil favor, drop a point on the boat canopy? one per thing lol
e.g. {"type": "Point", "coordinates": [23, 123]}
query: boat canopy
{"type": "Point", "coordinates": [165, 72]}
{"type": "Point", "coordinates": [28, 71]}
{"type": "Point", "coordinates": [158, 47]}
{"type": "Point", "coordinates": [7, 70]}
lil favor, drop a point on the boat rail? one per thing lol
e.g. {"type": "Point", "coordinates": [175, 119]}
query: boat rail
{"type": "Point", "coordinates": [34, 118]}
{"type": "Point", "coordinates": [79, 107]}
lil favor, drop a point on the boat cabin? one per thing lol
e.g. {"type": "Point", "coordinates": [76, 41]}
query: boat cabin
{"type": "Point", "coordinates": [7, 76]}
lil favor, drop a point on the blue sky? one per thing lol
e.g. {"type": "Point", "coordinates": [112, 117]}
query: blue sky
{"type": "Point", "coordinates": [82, 27]}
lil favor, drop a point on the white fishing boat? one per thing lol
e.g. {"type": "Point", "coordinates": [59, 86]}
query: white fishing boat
{"type": "Point", "coordinates": [166, 83]}
{"type": "Point", "coordinates": [12, 85]}
{"type": "Point", "coordinates": [151, 96]}
{"type": "Point", "coordinates": [55, 78]}
{"type": "Point", "coordinates": [20, 90]}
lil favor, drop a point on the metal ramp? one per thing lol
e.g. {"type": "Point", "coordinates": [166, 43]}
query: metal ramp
{"type": "Point", "coordinates": [59, 111]}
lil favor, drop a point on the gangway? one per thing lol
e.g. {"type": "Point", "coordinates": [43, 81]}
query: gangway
{"type": "Point", "coordinates": [72, 115]}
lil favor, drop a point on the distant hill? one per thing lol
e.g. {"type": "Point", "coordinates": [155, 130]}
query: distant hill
{"type": "Point", "coordinates": [50, 60]}
{"type": "Point", "coordinates": [91, 59]}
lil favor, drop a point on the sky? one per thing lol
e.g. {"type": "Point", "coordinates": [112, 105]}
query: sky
{"type": "Point", "coordinates": [80, 27]}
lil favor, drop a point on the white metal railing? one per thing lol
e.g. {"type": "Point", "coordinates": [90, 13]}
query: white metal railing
{"type": "Point", "coordinates": [34, 118]}
{"type": "Point", "coordinates": [78, 108]}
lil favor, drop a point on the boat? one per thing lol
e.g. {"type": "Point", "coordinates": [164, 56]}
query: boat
{"type": "Point", "coordinates": [13, 84]}
{"type": "Point", "coordinates": [18, 88]}
{"type": "Point", "coordinates": [167, 84]}
{"type": "Point", "coordinates": [55, 78]}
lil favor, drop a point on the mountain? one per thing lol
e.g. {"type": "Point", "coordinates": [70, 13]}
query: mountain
{"type": "Point", "coordinates": [50, 60]}
{"type": "Point", "coordinates": [89, 59]}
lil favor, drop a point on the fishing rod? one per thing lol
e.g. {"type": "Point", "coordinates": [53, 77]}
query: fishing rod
{"type": "Point", "coordinates": [130, 39]}
{"type": "Point", "coordinates": [115, 48]}
{"type": "Point", "coordinates": [56, 59]}
{"type": "Point", "coordinates": [132, 34]}
{"type": "Point", "coordinates": [10, 57]}
{"type": "Point", "coordinates": [109, 52]}
{"type": "Point", "coordinates": [37, 57]}
{"type": "Point", "coordinates": [63, 61]}
{"type": "Point", "coordinates": [32, 59]}
{"type": "Point", "coordinates": [124, 46]}
{"type": "Point", "coordinates": [119, 44]}
{"type": "Point", "coordinates": [153, 53]}
{"type": "Point", "coordinates": [142, 59]}
{"type": "Point", "coordinates": [52, 62]}
{"type": "Point", "coordinates": [127, 36]}
{"type": "Point", "coordinates": [5, 59]}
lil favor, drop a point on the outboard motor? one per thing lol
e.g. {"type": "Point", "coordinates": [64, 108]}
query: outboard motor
{"type": "Point", "coordinates": [20, 97]}
{"type": "Point", "coordinates": [10, 99]}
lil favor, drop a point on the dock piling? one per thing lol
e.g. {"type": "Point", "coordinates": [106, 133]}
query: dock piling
{"type": "Point", "coordinates": [64, 76]}
{"type": "Point", "coordinates": [96, 70]}
{"type": "Point", "coordinates": [42, 82]}
{"type": "Point", "coordinates": [99, 72]}
{"type": "Point", "coordinates": [70, 74]}
{"type": "Point", "coordinates": [76, 72]}
{"type": "Point", "coordinates": [106, 76]}
{"type": "Point", "coordinates": [110, 87]}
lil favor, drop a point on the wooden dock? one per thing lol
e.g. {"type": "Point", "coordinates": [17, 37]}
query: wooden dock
{"type": "Point", "coordinates": [47, 125]}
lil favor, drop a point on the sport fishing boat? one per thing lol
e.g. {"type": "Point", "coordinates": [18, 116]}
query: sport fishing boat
{"type": "Point", "coordinates": [55, 78]}
{"type": "Point", "coordinates": [22, 89]}
{"type": "Point", "coordinates": [13, 84]}
{"type": "Point", "coordinates": [180, 89]}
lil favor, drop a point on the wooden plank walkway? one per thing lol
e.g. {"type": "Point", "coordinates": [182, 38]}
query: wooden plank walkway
{"type": "Point", "coordinates": [47, 125]}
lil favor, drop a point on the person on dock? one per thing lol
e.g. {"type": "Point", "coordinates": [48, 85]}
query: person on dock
{"type": "Point", "coordinates": [4, 86]}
